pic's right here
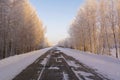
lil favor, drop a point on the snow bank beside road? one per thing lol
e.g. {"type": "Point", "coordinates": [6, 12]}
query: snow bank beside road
{"type": "Point", "coordinates": [109, 66]}
{"type": "Point", "coordinates": [12, 66]}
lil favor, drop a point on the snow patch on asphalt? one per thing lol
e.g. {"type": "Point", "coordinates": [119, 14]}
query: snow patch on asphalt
{"type": "Point", "coordinates": [65, 76]}
{"type": "Point", "coordinates": [106, 65]}
{"type": "Point", "coordinates": [54, 68]}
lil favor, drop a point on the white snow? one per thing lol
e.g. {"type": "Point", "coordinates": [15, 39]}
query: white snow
{"type": "Point", "coordinates": [72, 68]}
{"type": "Point", "coordinates": [72, 63]}
{"type": "Point", "coordinates": [54, 68]}
{"type": "Point", "coordinates": [57, 52]}
{"type": "Point", "coordinates": [106, 65]}
{"type": "Point", "coordinates": [113, 52]}
{"type": "Point", "coordinates": [84, 73]}
{"type": "Point", "coordinates": [12, 66]}
{"type": "Point", "coordinates": [65, 76]}
{"type": "Point", "coordinates": [44, 62]}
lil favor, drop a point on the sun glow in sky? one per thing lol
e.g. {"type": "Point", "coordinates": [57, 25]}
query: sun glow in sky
{"type": "Point", "coordinates": [56, 16]}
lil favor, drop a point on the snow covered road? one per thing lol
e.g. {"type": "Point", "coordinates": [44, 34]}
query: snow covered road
{"type": "Point", "coordinates": [59, 64]}
{"type": "Point", "coordinates": [12, 66]}
{"type": "Point", "coordinates": [55, 65]}
{"type": "Point", "coordinates": [106, 65]}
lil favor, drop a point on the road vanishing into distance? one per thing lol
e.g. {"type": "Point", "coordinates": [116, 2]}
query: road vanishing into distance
{"type": "Point", "coordinates": [55, 65]}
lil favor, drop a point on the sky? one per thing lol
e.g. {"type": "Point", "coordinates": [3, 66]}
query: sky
{"type": "Point", "coordinates": [56, 15]}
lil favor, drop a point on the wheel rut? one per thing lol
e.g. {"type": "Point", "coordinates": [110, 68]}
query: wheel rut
{"type": "Point", "coordinates": [55, 65]}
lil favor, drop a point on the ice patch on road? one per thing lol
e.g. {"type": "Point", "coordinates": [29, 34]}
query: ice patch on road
{"type": "Point", "coordinates": [72, 63]}
{"type": "Point", "coordinates": [85, 74]}
{"type": "Point", "coordinates": [45, 60]}
{"type": "Point", "coordinates": [57, 52]}
{"type": "Point", "coordinates": [44, 63]}
{"type": "Point", "coordinates": [65, 76]}
{"type": "Point", "coordinates": [54, 68]}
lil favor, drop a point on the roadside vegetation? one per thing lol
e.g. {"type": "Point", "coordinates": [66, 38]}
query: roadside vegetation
{"type": "Point", "coordinates": [96, 28]}
{"type": "Point", "coordinates": [21, 30]}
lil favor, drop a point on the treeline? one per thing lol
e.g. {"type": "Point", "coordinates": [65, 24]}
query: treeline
{"type": "Point", "coordinates": [96, 28]}
{"type": "Point", "coordinates": [20, 28]}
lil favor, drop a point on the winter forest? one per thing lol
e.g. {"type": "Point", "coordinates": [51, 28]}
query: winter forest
{"type": "Point", "coordinates": [59, 39]}
{"type": "Point", "coordinates": [20, 28]}
{"type": "Point", "coordinates": [96, 28]}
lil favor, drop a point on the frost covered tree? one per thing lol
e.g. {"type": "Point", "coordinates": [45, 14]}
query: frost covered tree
{"type": "Point", "coordinates": [118, 18]}
{"type": "Point", "coordinates": [21, 30]}
{"type": "Point", "coordinates": [96, 27]}
{"type": "Point", "coordinates": [83, 28]}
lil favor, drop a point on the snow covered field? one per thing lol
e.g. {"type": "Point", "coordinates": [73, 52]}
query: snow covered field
{"type": "Point", "coordinates": [12, 66]}
{"type": "Point", "coordinates": [108, 66]}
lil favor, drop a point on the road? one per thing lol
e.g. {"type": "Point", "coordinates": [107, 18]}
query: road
{"type": "Point", "coordinates": [55, 65]}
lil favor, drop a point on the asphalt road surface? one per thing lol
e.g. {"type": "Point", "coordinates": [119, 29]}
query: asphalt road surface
{"type": "Point", "coordinates": [55, 65]}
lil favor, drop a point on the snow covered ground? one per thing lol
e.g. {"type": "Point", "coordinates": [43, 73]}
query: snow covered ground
{"type": "Point", "coordinates": [113, 52]}
{"type": "Point", "coordinates": [12, 66]}
{"type": "Point", "coordinates": [108, 66]}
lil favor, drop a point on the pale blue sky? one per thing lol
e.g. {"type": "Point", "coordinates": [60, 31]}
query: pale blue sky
{"type": "Point", "coordinates": [56, 16]}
